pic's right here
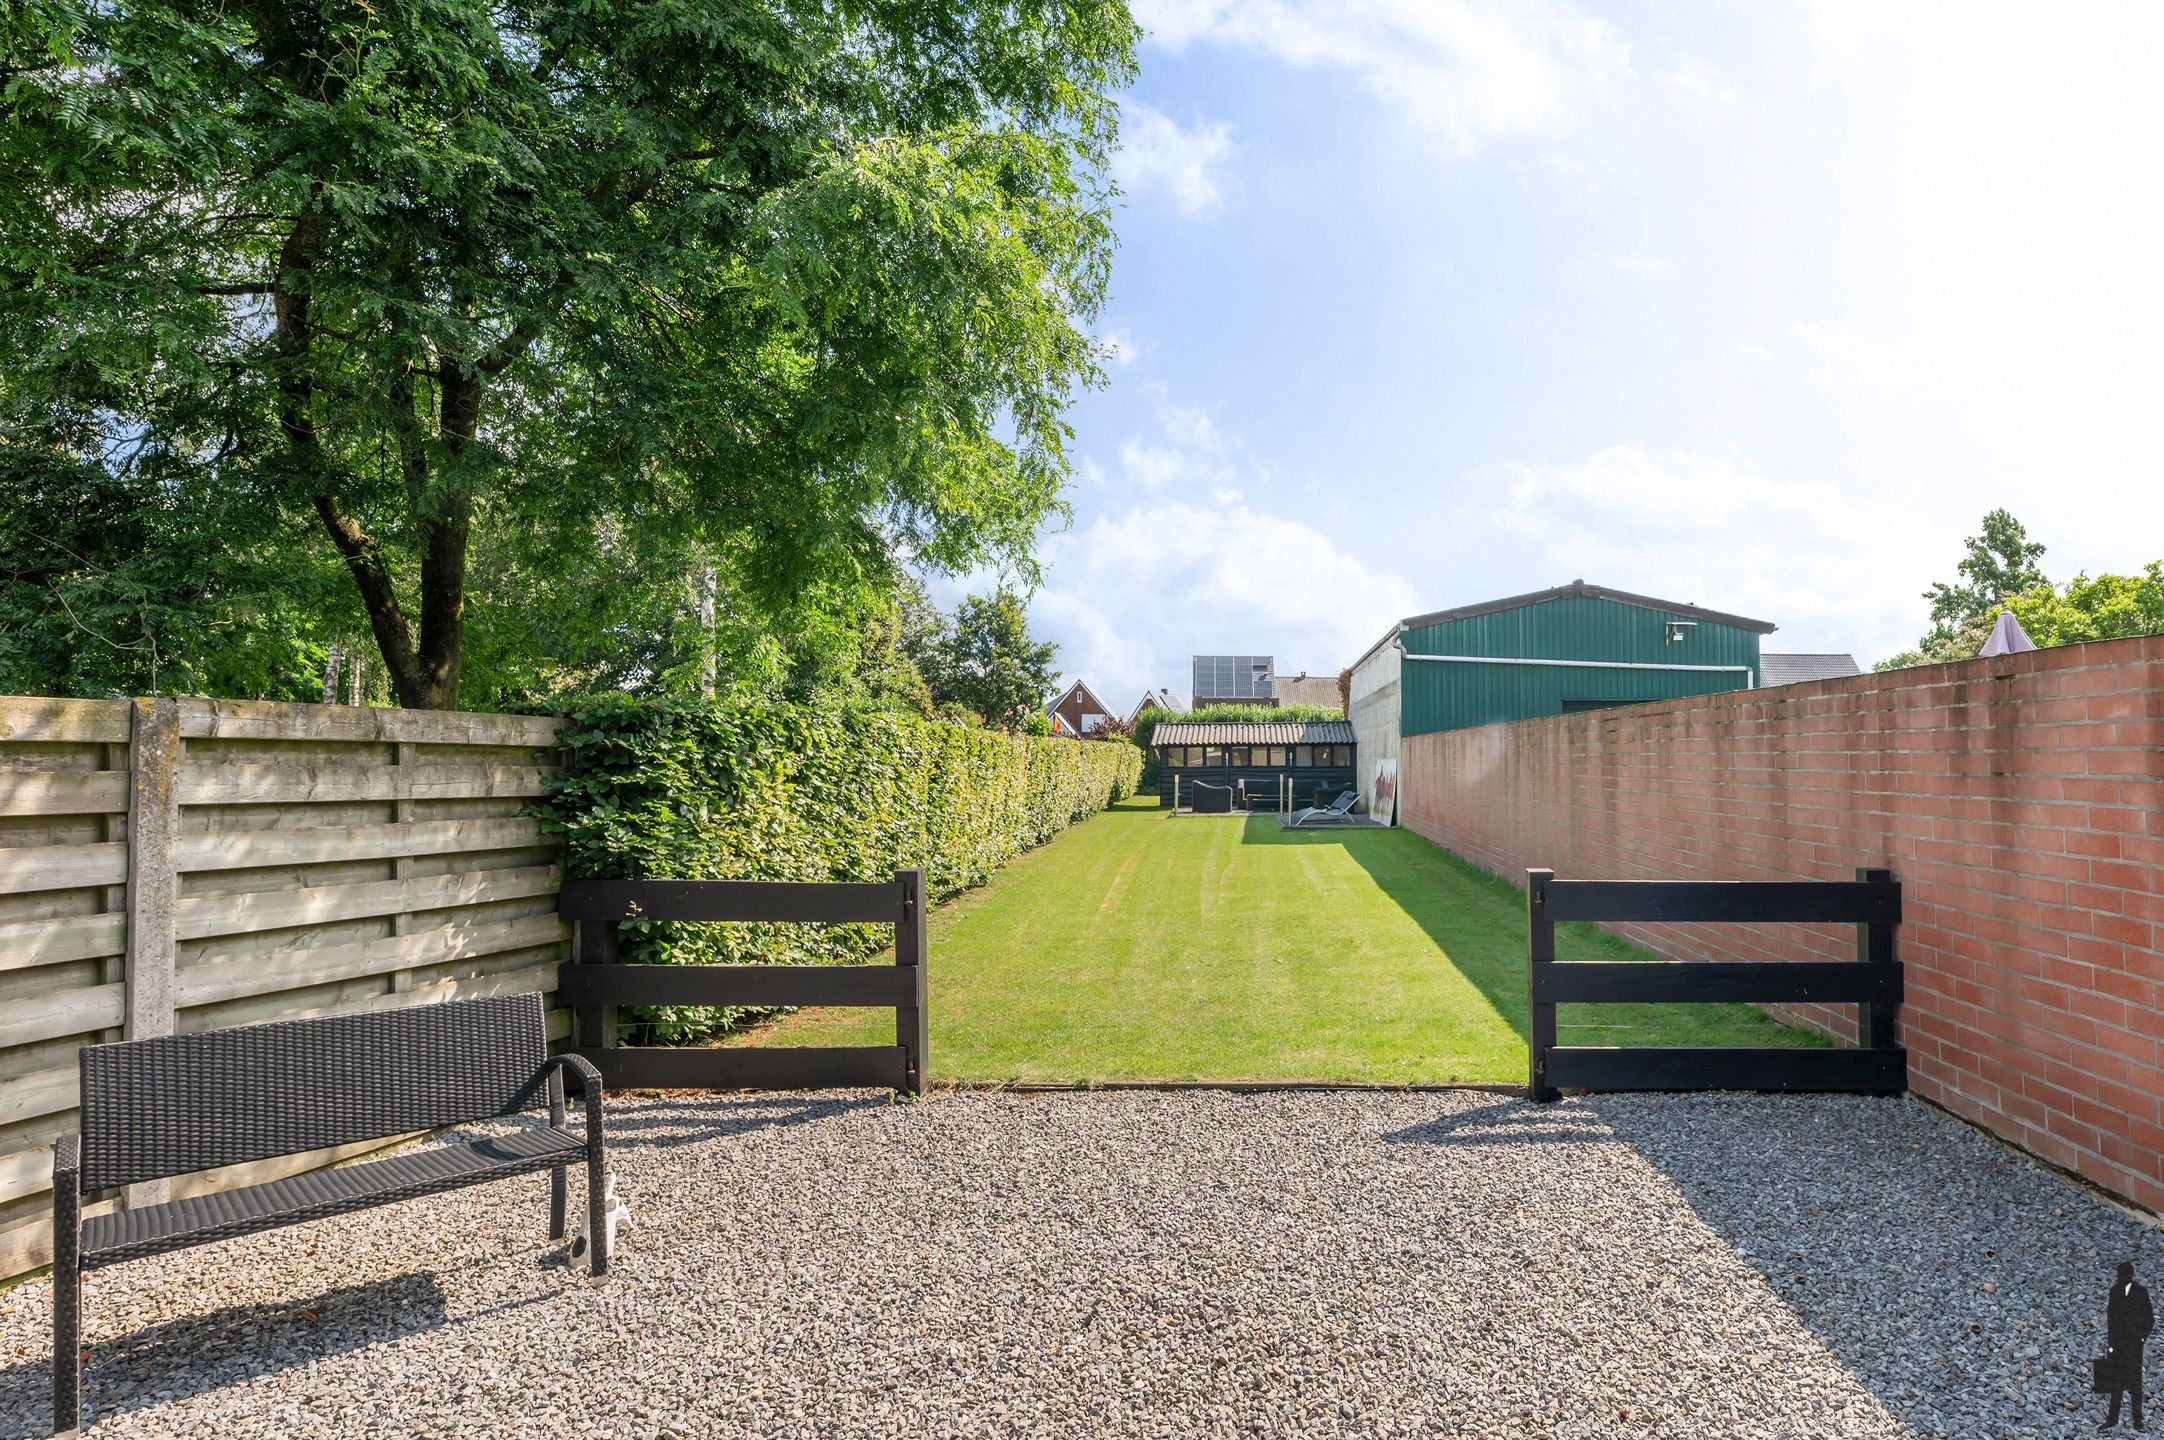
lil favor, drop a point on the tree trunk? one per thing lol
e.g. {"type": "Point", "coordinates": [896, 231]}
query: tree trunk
{"type": "Point", "coordinates": [423, 675]}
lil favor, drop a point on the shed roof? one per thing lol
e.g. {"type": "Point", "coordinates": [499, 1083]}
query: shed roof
{"type": "Point", "coordinates": [1596, 592]}
{"type": "Point", "coordinates": [1252, 732]}
{"type": "Point", "coordinates": [1565, 592]}
{"type": "Point", "coordinates": [1789, 669]}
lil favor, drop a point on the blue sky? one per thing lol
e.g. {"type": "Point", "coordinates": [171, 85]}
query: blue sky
{"type": "Point", "coordinates": [1422, 302]}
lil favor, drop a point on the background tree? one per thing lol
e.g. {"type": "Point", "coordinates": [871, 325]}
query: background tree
{"type": "Point", "coordinates": [2000, 573]}
{"type": "Point", "coordinates": [2105, 607]}
{"type": "Point", "coordinates": [1999, 564]}
{"type": "Point", "coordinates": [798, 284]}
{"type": "Point", "coordinates": [987, 662]}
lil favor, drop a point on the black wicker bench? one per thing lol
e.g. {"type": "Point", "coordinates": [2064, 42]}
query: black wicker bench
{"type": "Point", "coordinates": [152, 1109]}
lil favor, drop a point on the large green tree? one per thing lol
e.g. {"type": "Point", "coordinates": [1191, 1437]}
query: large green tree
{"type": "Point", "coordinates": [2000, 573]}
{"type": "Point", "coordinates": [1998, 563]}
{"type": "Point", "coordinates": [986, 661]}
{"type": "Point", "coordinates": [498, 297]}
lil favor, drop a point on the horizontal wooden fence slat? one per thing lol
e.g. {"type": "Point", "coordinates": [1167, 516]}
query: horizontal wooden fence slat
{"type": "Point", "coordinates": [78, 1011]}
{"type": "Point", "coordinates": [28, 719]}
{"type": "Point", "coordinates": [28, 943]}
{"type": "Point", "coordinates": [746, 1068]}
{"type": "Point", "coordinates": [251, 849]}
{"type": "Point", "coordinates": [41, 1092]}
{"type": "Point", "coordinates": [25, 1173]}
{"type": "Point", "coordinates": [63, 792]}
{"type": "Point", "coordinates": [268, 720]}
{"type": "Point", "coordinates": [1696, 981]}
{"type": "Point", "coordinates": [30, 868]}
{"type": "Point", "coordinates": [537, 977]}
{"type": "Point", "coordinates": [318, 783]}
{"type": "Point", "coordinates": [811, 902]}
{"type": "Point", "coordinates": [280, 909]}
{"type": "Point", "coordinates": [1837, 902]}
{"type": "Point", "coordinates": [753, 985]}
{"type": "Point", "coordinates": [217, 981]}
{"type": "Point", "coordinates": [1873, 1072]}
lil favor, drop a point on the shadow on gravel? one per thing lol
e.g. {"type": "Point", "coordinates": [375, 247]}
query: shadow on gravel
{"type": "Point", "coordinates": [1507, 1122]}
{"type": "Point", "coordinates": [1962, 1284]}
{"type": "Point", "coordinates": [695, 1120]}
{"type": "Point", "coordinates": [201, 1353]}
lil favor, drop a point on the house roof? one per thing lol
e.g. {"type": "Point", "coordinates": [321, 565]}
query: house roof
{"type": "Point", "coordinates": [1575, 588]}
{"type": "Point", "coordinates": [1790, 669]}
{"type": "Point", "coordinates": [1096, 706]}
{"type": "Point", "coordinates": [1161, 698]}
{"type": "Point", "coordinates": [1253, 732]}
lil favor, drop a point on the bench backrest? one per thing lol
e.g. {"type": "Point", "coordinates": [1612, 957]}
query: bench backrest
{"type": "Point", "coordinates": [182, 1103]}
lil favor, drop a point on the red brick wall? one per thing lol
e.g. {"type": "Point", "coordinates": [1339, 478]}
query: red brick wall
{"type": "Point", "coordinates": [2020, 799]}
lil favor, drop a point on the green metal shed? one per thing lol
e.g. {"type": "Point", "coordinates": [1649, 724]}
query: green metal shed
{"type": "Point", "coordinates": [1576, 647]}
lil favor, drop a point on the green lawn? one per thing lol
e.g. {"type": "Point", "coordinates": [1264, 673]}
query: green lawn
{"type": "Point", "coordinates": [1141, 947]}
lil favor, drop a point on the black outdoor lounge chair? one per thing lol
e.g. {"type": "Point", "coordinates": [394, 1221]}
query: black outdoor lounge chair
{"type": "Point", "coordinates": [182, 1103]}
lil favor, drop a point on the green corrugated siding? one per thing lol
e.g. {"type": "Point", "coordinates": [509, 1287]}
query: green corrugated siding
{"type": "Point", "coordinates": [1580, 627]}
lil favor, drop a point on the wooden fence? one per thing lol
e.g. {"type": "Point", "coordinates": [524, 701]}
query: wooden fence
{"type": "Point", "coordinates": [172, 866]}
{"type": "Point", "coordinates": [597, 982]}
{"type": "Point", "coordinates": [1872, 982]}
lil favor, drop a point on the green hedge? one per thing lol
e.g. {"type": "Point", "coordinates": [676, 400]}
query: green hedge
{"type": "Point", "coordinates": [699, 790]}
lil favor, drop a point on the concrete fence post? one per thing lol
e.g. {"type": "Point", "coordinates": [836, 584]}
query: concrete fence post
{"type": "Point", "coordinates": [153, 883]}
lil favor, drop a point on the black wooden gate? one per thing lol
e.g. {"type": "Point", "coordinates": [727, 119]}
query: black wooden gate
{"type": "Point", "coordinates": [1872, 982]}
{"type": "Point", "coordinates": [595, 983]}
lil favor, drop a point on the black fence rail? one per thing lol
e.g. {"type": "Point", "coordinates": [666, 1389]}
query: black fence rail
{"type": "Point", "coordinates": [596, 982]}
{"type": "Point", "coordinates": [1872, 982]}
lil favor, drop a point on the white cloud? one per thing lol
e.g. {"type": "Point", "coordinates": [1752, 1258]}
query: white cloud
{"type": "Point", "coordinates": [1157, 154]}
{"type": "Point", "coordinates": [1131, 596]}
{"type": "Point", "coordinates": [1694, 84]}
{"type": "Point", "coordinates": [1712, 529]}
{"type": "Point", "coordinates": [1196, 567]}
{"type": "Point", "coordinates": [1463, 71]}
{"type": "Point", "coordinates": [1124, 349]}
{"type": "Point", "coordinates": [1843, 359]}
{"type": "Point", "coordinates": [1650, 267]}
{"type": "Point", "coordinates": [1191, 426]}
{"type": "Point", "coordinates": [1154, 467]}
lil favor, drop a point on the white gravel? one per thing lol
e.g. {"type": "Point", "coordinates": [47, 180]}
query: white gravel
{"type": "Point", "coordinates": [1179, 1265]}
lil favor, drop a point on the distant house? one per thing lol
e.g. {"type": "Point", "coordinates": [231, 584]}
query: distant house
{"type": "Point", "coordinates": [1306, 689]}
{"type": "Point", "coordinates": [1791, 669]}
{"type": "Point", "coordinates": [1159, 699]}
{"type": "Point", "coordinates": [1078, 712]}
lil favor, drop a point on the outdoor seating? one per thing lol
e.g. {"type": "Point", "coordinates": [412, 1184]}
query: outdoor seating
{"type": "Point", "coordinates": [177, 1104]}
{"type": "Point", "coordinates": [1337, 812]}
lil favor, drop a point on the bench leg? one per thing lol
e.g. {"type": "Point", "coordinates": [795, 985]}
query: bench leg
{"type": "Point", "coordinates": [67, 1345]}
{"type": "Point", "coordinates": [559, 1185]}
{"type": "Point", "coordinates": [597, 1217]}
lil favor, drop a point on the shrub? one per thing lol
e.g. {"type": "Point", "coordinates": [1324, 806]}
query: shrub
{"type": "Point", "coordinates": [691, 789]}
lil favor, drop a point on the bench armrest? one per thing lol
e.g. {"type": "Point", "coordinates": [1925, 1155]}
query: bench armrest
{"type": "Point", "coordinates": [67, 1209]}
{"type": "Point", "coordinates": [589, 1081]}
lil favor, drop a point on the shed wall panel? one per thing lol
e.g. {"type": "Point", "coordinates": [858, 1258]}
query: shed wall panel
{"type": "Point", "coordinates": [1448, 696]}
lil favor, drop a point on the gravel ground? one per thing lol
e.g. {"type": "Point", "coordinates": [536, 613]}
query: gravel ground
{"type": "Point", "coordinates": [1180, 1265]}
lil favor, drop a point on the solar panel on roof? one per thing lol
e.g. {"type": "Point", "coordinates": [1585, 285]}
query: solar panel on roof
{"type": "Point", "coordinates": [1233, 677]}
